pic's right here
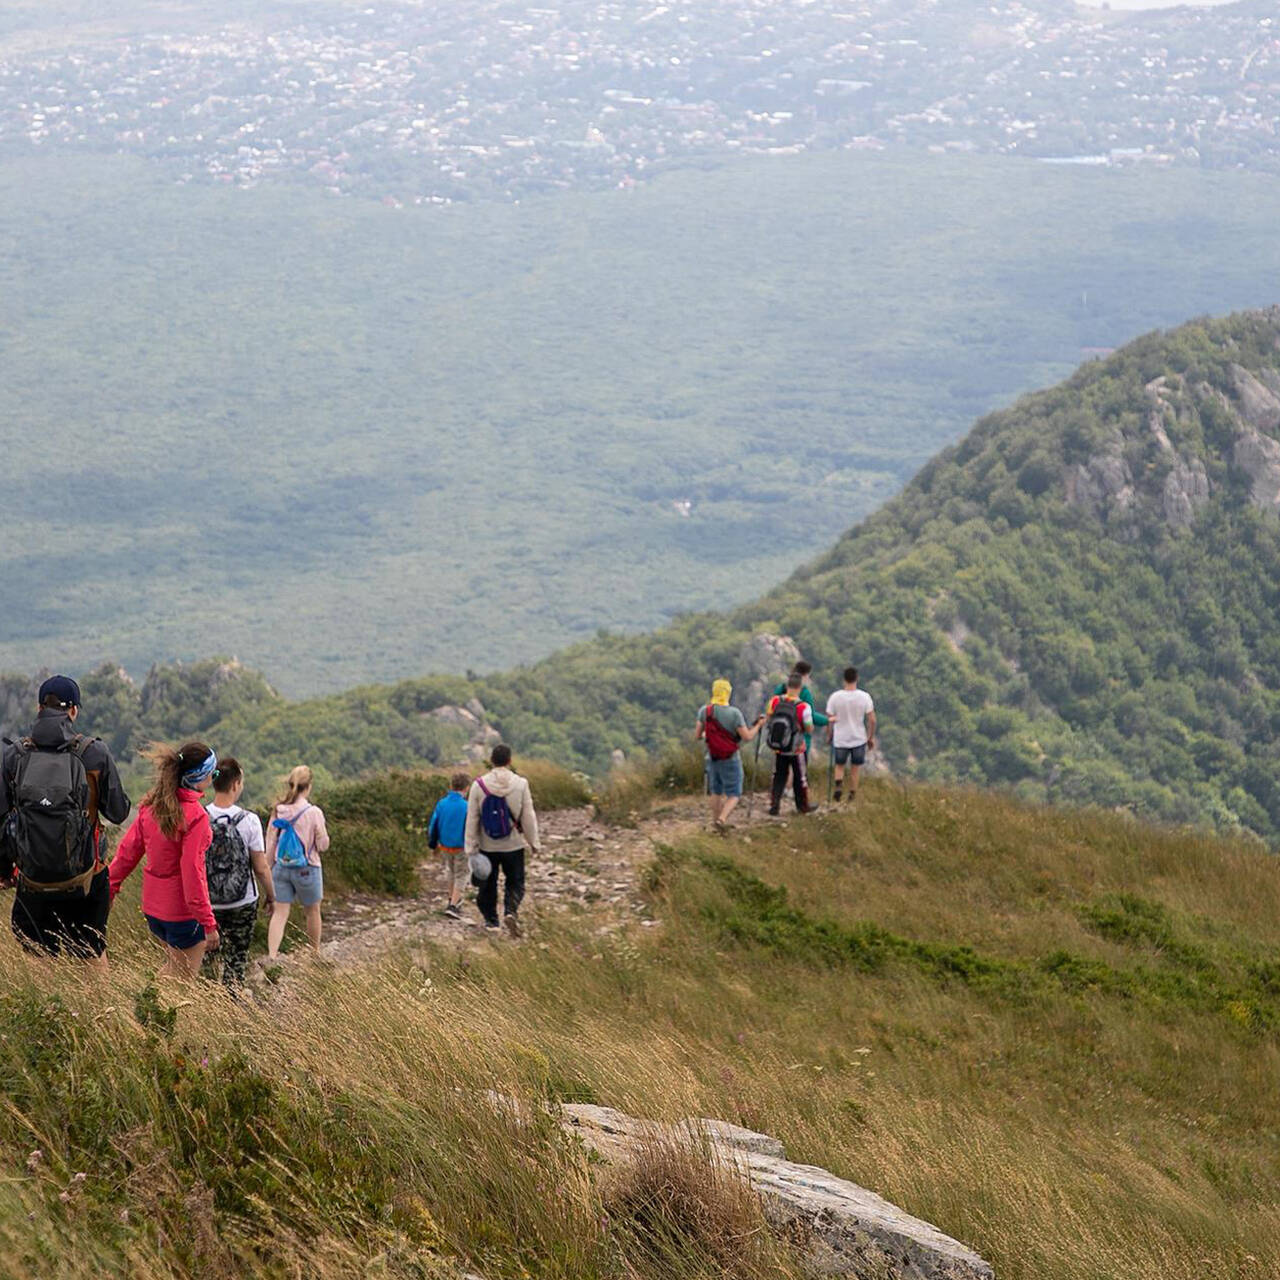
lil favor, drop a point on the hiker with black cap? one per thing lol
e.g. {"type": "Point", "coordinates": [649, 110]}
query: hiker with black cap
{"type": "Point", "coordinates": [56, 786]}
{"type": "Point", "coordinates": [501, 827]}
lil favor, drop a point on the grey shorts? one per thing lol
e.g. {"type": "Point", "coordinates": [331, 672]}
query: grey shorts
{"type": "Point", "coordinates": [851, 755]}
{"type": "Point", "coordinates": [724, 777]}
{"type": "Point", "coordinates": [457, 869]}
{"type": "Point", "coordinates": [304, 885]}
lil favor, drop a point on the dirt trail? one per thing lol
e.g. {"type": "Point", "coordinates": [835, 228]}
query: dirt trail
{"type": "Point", "coordinates": [587, 866]}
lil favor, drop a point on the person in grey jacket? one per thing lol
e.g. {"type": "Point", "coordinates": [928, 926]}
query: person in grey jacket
{"type": "Point", "coordinates": [506, 854]}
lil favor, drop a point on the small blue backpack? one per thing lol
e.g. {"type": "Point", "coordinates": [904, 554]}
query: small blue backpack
{"type": "Point", "coordinates": [495, 814]}
{"type": "Point", "coordinates": [290, 851]}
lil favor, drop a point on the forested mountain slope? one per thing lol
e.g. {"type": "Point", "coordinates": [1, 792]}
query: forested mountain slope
{"type": "Point", "coordinates": [1081, 599]}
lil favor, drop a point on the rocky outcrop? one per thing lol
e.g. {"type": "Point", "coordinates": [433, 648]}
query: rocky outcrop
{"type": "Point", "coordinates": [1258, 456]}
{"type": "Point", "coordinates": [1259, 403]}
{"type": "Point", "coordinates": [473, 720]}
{"type": "Point", "coordinates": [1173, 485]}
{"type": "Point", "coordinates": [1102, 486]}
{"type": "Point", "coordinates": [840, 1228]}
{"type": "Point", "coordinates": [762, 662]}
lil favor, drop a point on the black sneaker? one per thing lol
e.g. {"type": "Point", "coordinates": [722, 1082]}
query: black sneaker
{"type": "Point", "coordinates": [453, 911]}
{"type": "Point", "coordinates": [838, 795]}
{"type": "Point", "coordinates": [775, 813]}
{"type": "Point", "coordinates": [492, 925]}
{"type": "Point", "coordinates": [513, 924]}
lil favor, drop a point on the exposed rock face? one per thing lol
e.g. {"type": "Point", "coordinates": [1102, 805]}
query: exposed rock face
{"type": "Point", "coordinates": [763, 661]}
{"type": "Point", "coordinates": [842, 1229]}
{"type": "Point", "coordinates": [1186, 490]}
{"type": "Point", "coordinates": [472, 720]}
{"type": "Point", "coordinates": [1258, 456]}
{"type": "Point", "coordinates": [1259, 403]}
{"type": "Point", "coordinates": [459, 717]}
{"type": "Point", "coordinates": [1102, 485]}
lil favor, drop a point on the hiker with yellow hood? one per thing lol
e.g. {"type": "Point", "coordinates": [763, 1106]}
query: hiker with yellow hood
{"type": "Point", "coordinates": [724, 729]}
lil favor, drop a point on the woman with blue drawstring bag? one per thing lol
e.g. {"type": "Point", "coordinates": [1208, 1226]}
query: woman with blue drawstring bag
{"type": "Point", "coordinates": [296, 837]}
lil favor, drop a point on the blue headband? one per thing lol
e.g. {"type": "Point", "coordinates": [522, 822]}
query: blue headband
{"type": "Point", "coordinates": [202, 772]}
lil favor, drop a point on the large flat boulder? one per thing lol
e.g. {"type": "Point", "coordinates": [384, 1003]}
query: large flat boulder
{"type": "Point", "coordinates": [840, 1228]}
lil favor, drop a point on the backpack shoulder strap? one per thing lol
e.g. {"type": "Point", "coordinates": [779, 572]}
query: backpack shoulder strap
{"type": "Point", "coordinates": [480, 784]}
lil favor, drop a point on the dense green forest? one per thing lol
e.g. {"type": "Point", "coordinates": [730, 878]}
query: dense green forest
{"type": "Point", "coordinates": [1081, 601]}
{"type": "Point", "coordinates": [347, 443]}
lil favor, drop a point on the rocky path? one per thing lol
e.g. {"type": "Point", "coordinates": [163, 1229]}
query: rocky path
{"type": "Point", "coordinates": [586, 867]}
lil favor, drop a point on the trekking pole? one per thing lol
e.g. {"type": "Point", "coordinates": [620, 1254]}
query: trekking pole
{"type": "Point", "coordinates": [755, 774]}
{"type": "Point", "coordinates": [831, 767]}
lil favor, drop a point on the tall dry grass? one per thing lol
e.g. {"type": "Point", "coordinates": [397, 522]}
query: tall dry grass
{"type": "Point", "coordinates": [1062, 1121]}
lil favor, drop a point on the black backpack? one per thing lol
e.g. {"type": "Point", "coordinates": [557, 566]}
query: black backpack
{"type": "Point", "coordinates": [227, 861]}
{"type": "Point", "coordinates": [50, 829]}
{"type": "Point", "coordinates": [782, 733]}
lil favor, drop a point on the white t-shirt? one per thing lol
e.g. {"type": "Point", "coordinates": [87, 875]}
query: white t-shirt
{"type": "Point", "coordinates": [848, 710]}
{"type": "Point", "coordinates": [250, 828]}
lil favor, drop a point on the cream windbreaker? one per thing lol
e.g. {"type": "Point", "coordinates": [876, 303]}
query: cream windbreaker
{"type": "Point", "coordinates": [524, 829]}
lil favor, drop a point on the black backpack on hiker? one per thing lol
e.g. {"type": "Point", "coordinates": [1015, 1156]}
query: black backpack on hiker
{"type": "Point", "coordinates": [50, 830]}
{"type": "Point", "coordinates": [782, 733]}
{"type": "Point", "coordinates": [226, 862]}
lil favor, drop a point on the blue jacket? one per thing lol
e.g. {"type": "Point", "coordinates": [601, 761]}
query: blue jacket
{"type": "Point", "coordinates": [449, 822]}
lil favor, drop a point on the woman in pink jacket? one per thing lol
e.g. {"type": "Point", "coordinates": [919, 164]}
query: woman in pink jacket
{"type": "Point", "coordinates": [172, 832]}
{"type": "Point", "coordinates": [296, 837]}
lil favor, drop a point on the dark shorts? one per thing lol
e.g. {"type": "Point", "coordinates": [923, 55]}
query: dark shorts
{"type": "Point", "coordinates": [851, 755]}
{"type": "Point", "coordinates": [181, 935]}
{"type": "Point", "coordinates": [74, 923]}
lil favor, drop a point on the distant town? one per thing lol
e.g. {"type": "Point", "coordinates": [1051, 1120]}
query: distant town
{"type": "Point", "coordinates": [481, 101]}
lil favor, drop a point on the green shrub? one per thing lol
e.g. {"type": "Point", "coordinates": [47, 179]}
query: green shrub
{"type": "Point", "coordinates": [554, 787]}
{"type": "Point", "coordinates": [394, 798]}
{"type": "Point", "coordinates": [374, 858]}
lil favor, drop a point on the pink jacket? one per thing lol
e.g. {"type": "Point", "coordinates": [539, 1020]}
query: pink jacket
{"type": "Point", "coordinates": [173, 881]}
{"type": "Point", "coordinates": [310, 828]}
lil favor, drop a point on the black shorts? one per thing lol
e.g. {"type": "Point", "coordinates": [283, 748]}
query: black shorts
{"type": "Point", "coordinates": [851, 755]}
{"type": "Point", "coordinates": [51, 923]}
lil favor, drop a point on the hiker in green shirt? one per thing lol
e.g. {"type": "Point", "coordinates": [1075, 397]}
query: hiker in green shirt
{"type": "Point", "coordinates": [820, 718]}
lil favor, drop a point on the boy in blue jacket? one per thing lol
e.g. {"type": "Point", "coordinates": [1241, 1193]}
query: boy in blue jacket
{"type": "Point", "coordinates": [447, 833]}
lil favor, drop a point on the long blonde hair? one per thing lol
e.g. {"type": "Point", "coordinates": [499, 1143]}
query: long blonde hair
{"type": "Point", "coordinates": [298, 781]}
{"type": "Point", "coordinates": [169, 767]}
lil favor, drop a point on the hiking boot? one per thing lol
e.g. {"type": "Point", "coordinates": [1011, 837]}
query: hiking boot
{"type": "Point", "coordinates": [774, 811]}
{"type": "Point", "coordinates": [513, 924]}
{"type": "Point", "coordinates": [453, 911]}
{"type": "Point", "coordinates": [838, 795]}
{"type": "Point", "coordinates": [810, 808]}
{"type": "Point", "coordinates": [492, 926]}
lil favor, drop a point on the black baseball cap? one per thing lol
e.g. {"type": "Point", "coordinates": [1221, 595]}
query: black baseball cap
{"type": "Point", "coordinates": [63, 688]}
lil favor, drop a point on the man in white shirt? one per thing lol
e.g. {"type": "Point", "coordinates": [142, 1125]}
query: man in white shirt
{"type": "Point", "coordinates": [853, 730]}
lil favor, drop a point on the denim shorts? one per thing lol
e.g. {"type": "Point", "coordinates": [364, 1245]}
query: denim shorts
{"type": "Point", "coordinates": [851, 755]}
{"type": "Point", "coordinates": [304, 885]}
{"type": "Point", "coordinates": [181, 935]}
{"type": "Point", "coordinates": [724, 777]}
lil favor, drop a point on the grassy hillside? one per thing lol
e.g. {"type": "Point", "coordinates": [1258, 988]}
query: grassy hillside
{"type": "Point", "coordinates": [1052, 1033]}
{"type": "Point", "coordinates": [271, 424]}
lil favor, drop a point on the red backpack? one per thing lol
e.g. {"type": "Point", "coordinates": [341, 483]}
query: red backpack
{"type": "Point", "coordinates": [721, 742]}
